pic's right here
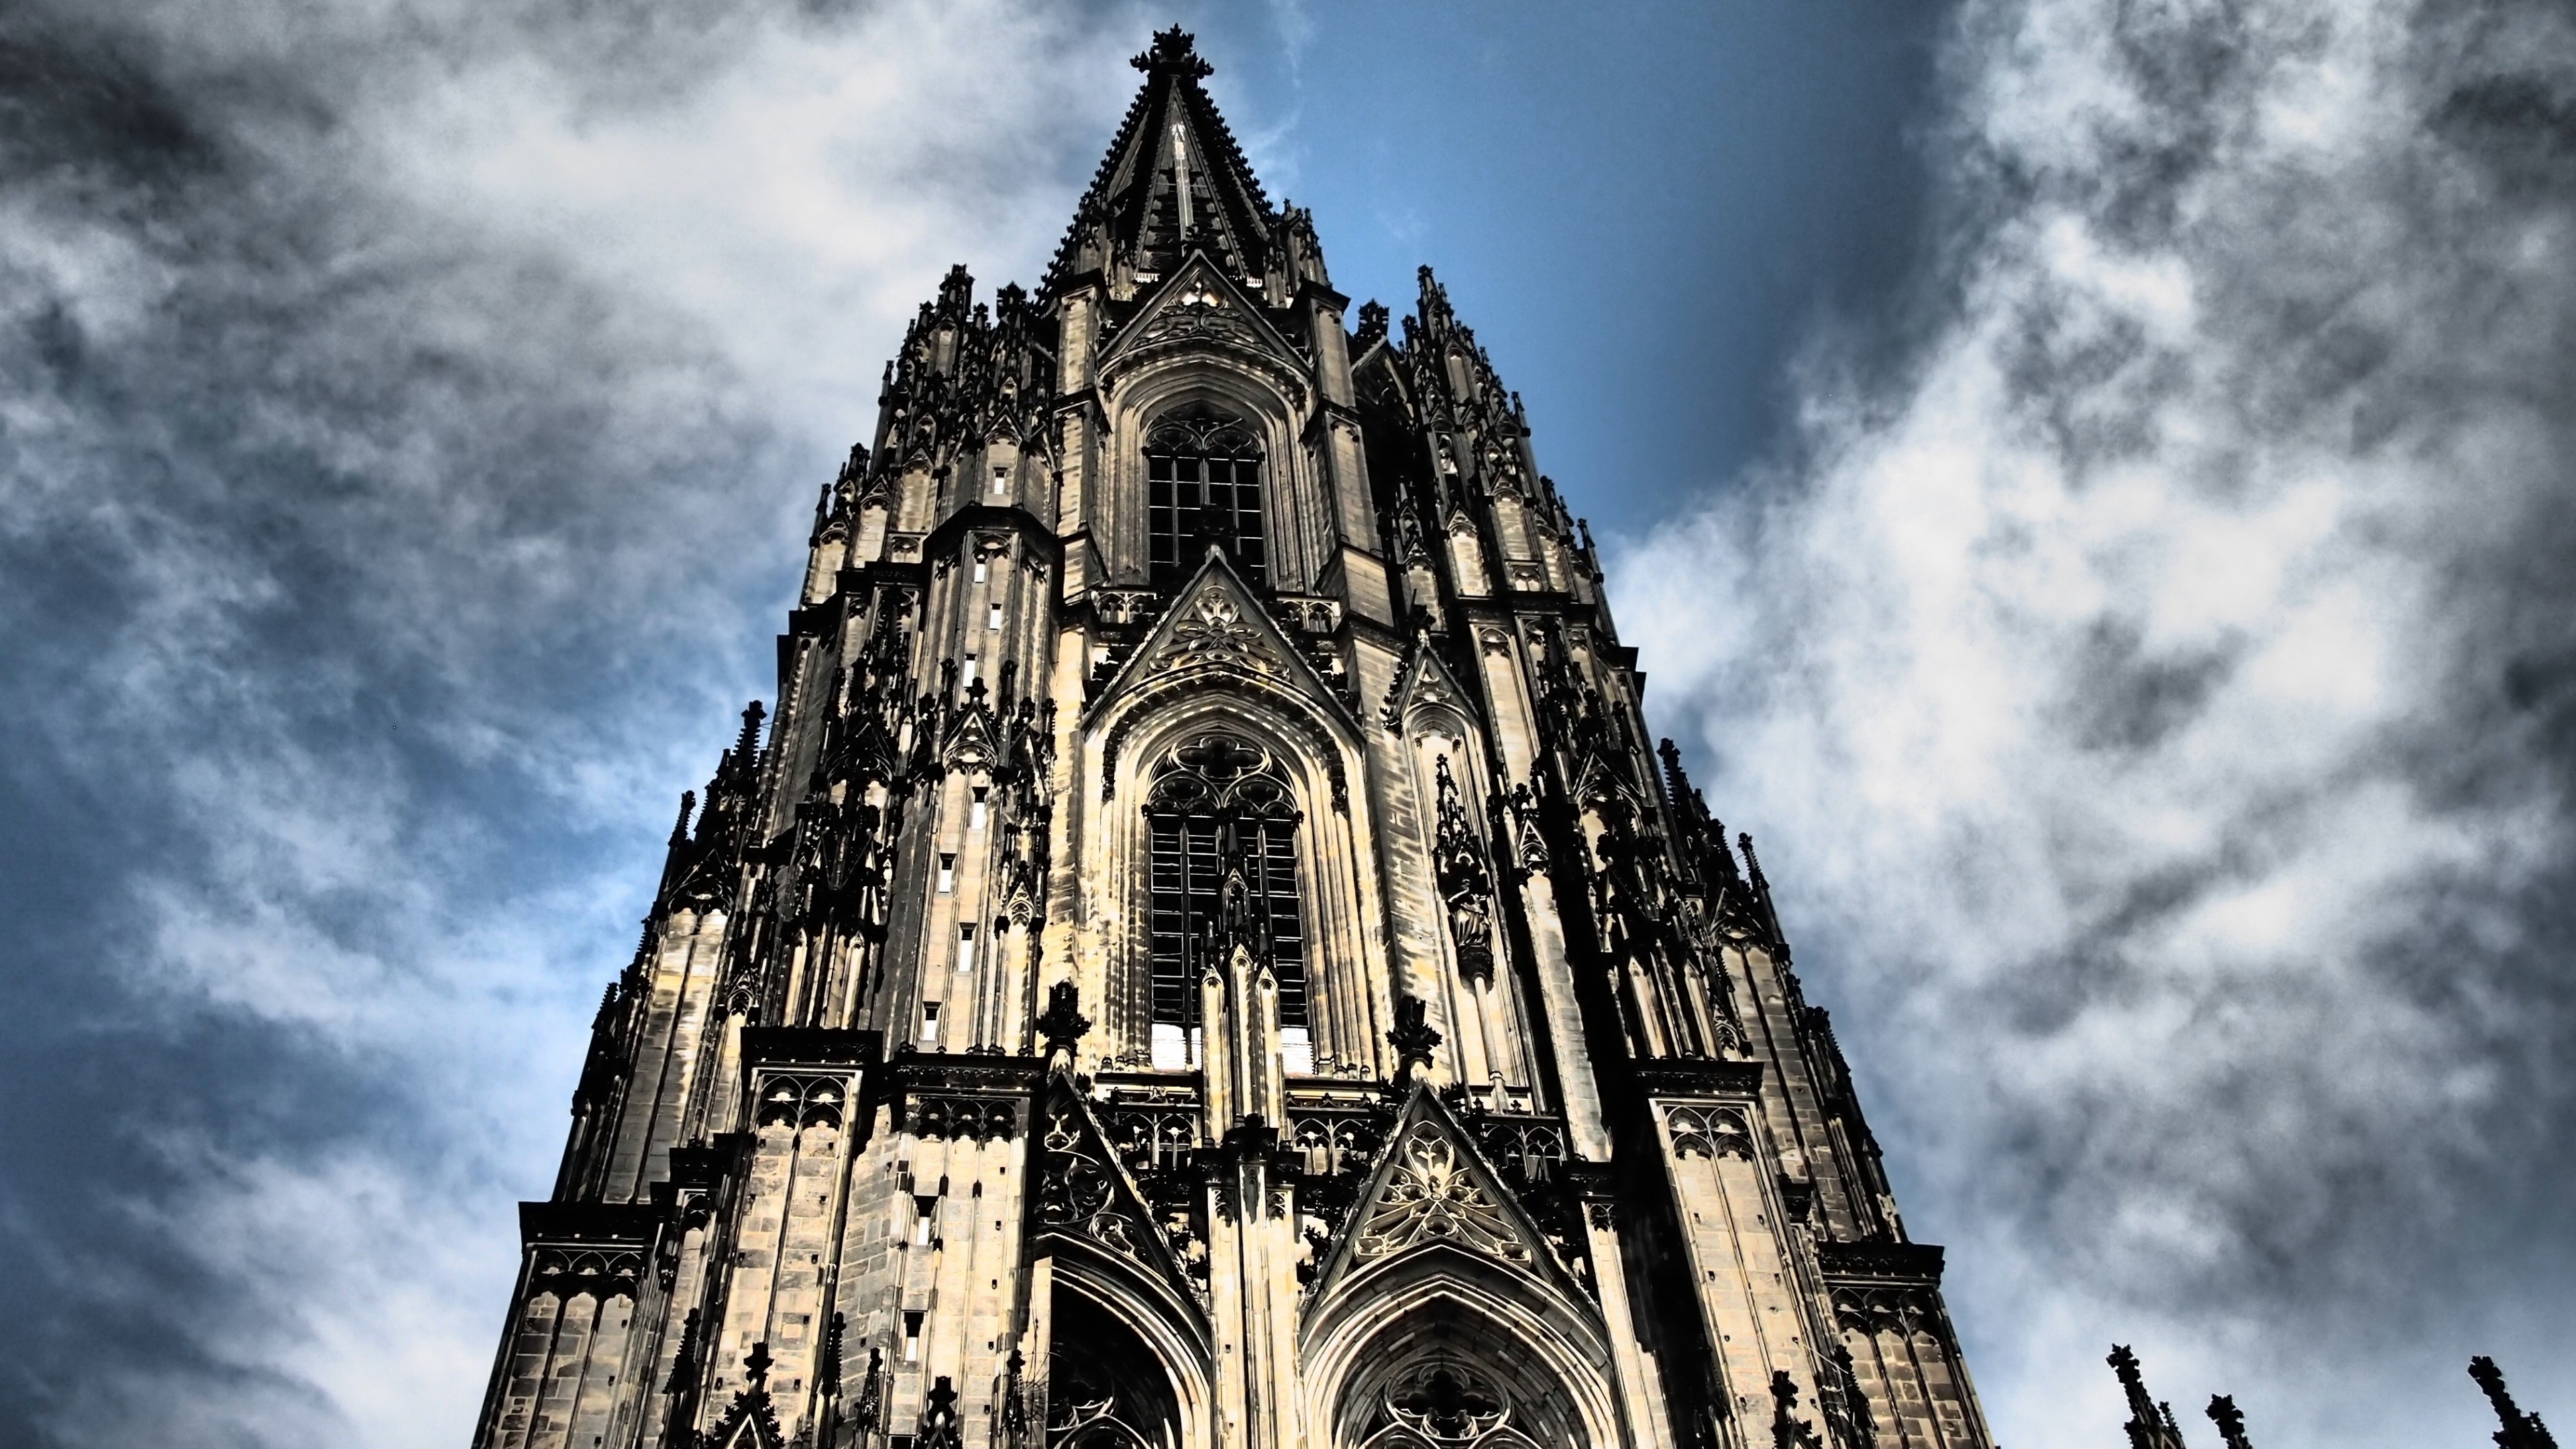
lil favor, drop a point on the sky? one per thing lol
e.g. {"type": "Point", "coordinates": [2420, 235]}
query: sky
{"type": "Point", "coordinates": [2090, 480]}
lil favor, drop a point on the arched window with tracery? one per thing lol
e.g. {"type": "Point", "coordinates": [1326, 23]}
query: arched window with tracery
{"type": "Point", "coordinates": [1449, 1404]}
{"type": "Point", "coordinates": [1203, 486]}
{"type": "Point", "coordinates": [1220, 809]}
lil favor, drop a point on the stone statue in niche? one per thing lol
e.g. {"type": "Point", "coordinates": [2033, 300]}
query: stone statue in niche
{"type": "Point", "coordinates": [1466, 883]}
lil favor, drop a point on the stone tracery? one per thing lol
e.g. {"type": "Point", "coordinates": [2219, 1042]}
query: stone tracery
{"type": "Point", "coordinates": [1433, 1195]}
{"type": "Point", "coordinates": [1445, 1404]}
{"type": "Point", "coordinates": [1380, 1210]}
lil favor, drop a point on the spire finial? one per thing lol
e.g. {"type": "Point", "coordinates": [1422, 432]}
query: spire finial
{"type": "Point", "coordinates": [1413, 1037]}
{"type": "Point", "coordinates": [2151, 1424]}
{"type": "Point", "coordinates": [1174, 50]}
{"type": "Point", "coordinates": [2231, 1424]}
{"type": "Point", "coordinates": [2521, 1430]}
{"type": "Point", "coordinates": [1373, 320]}
{"type": "Point", "coordinates": [684, 1360]}
{"type": "Point", "coordinates": [827, 1374]}
{"type": "Point", "coordinates": [956, 290]}
{"type": "Point", "coordinates": [1676, 779]}
{"type": "Point", "coordinates": [939, 1423]}
{"type": "Point", "coordinates": [1063, 1024]}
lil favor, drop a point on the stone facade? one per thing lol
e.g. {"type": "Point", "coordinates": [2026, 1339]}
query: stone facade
{"type": "Point", "coordinates": [1203, 953]}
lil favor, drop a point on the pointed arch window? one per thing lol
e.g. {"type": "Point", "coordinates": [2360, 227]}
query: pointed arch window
{"type": "Point", "coordinates": [1441, 1404]}
{"type": "Point", "coordinates": [1202, 487]}
{"type": "Point", "coordinates": [1221, 818]}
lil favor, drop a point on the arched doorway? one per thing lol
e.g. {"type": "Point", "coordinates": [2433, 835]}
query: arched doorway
{"type": "Point", "coordinates": [1105, 1388]}
{"type": "Point", "coordinates": [1447, 1381]}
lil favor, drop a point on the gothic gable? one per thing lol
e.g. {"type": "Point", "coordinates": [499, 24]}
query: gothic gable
{"type": "Point", "coordinates": [1083, 1191]}
{"type": "Point", "coordinates": [1433, 1189]}
{"type": "Point", "coordinates": [1217, 635]}
{"type": "Point", "coordinates": [748, 1431]}
{"type": "Point", "coordinates": [1426, 683]}
{"type": "Point", "coordinates": [1198, 306]}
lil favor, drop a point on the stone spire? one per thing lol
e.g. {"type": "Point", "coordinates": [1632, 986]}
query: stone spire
{"type": "Point", "coordinates": [2151, 1425]}
{"type": "Point", "coordinates": [2230, 1421]}
{"type": "Point", "coordinates": [1174, 180]}
{"type": "Point", "coordinates": [2521, 1430]}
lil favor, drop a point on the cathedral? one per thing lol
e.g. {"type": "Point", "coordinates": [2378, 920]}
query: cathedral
{"type": "Point", "coordinates": [1203, 951]}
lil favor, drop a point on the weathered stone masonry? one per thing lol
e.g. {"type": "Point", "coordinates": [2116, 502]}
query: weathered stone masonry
{"type": "Point", "coordinates": [1204, 952]}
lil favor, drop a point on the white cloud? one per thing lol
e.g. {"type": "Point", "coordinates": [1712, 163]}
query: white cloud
{"type": "Point", "coordinates": [412, 414]}
{"type": "Point", "coordinates": [2125, 701]}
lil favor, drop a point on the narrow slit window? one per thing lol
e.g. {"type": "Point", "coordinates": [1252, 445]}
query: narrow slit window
{"type": "Point", "coordinates": [965, 948]}
{"type": "Point", "coordinates": [912, 1337]}
{"type": "Point", "coordinates": [993, 616]}
{"type": "Point", "coordinates": [975, 810]}
{"type": "Point", "coordinates": [930, 1021]}
{"type": "Point", "coordinates": [1001, 479]}
{"type": "Point", "coordinates": [947, 874]}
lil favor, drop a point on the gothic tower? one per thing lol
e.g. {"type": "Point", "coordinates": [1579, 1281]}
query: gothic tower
{"type": "Point", "coordinates": [1203, 954]}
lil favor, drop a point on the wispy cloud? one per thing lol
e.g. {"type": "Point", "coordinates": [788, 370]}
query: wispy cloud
{"type": "Point", "coordinates": [2154, 685]}
{"type": "Point", "coordinates": [2156, 688]}
{"type": "Point", "coordinates": [408, 416]}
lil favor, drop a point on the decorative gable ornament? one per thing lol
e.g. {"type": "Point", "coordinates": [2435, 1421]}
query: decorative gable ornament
{"type": "Point", "coordinates": [1216, 633]}
{"type": "Point", "coordinates": [1197, 308]}
{"type": "Point", "coordinates": [1425, 682]}
{"type": "Point", "coordinates": [1432, 1194]}
{"type": "Point", "coordinates": [1432, 1188]}
{"type": "Point", "coordinates": [1215, 623]}
{"type": "Point", "coordinates": [969, 745]}
{"type": "Point", "coordinates": [1209, 628]}
{"type": "Point", "coordinates": [1199, 312]}
{"type": "Point", "coordinates": [1083, 1190]}
{"type": "Point", "coordinates": [752, 1420]}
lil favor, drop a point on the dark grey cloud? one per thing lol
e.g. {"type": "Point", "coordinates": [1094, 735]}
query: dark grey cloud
{"type": "Point", "coordinates": [408, 415]}
{"type": "Point", "coordinates": [2156, 701]}
{"type": "Point", "coordinates": [2154, 682]}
